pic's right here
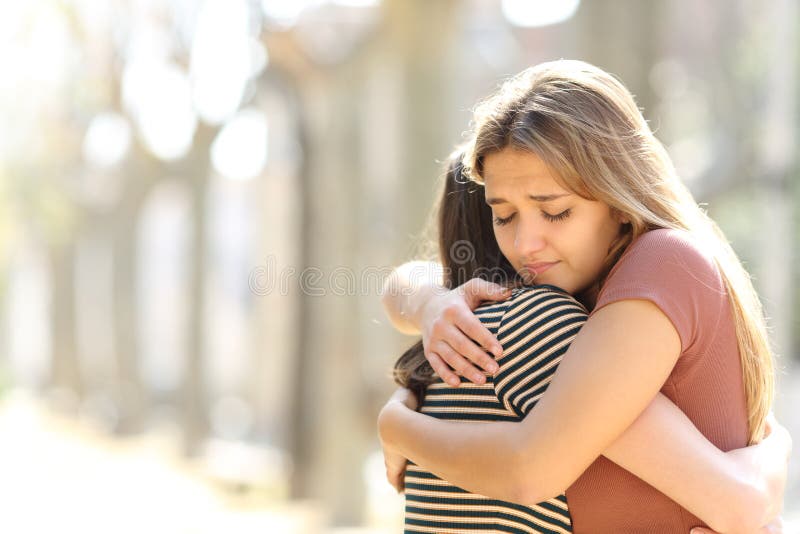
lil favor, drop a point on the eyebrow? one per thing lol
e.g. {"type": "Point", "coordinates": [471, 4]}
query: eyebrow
{"type": "Point", "coordinates": [537, 198]}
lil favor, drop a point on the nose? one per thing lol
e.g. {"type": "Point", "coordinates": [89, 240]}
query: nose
{"type": "Point", "coordinates": [530, 238]}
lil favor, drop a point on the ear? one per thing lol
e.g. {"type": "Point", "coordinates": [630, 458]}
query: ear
{"type": "Point", "coordinates": [620, 217]}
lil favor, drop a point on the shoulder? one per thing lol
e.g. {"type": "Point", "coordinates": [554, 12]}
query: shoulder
{"type": "Point", "coordinates": [536, 330]}
{"type": "Point", "coordinates": [675, 271]}
{"type": "Point", "coordinates": [528, 304]}
{"type": "Point", "coordinates": [537, 306]}
{"type": "Point", "coordinates": [669, 256]}
{"type": "Point", "coordinates": [669, 245]}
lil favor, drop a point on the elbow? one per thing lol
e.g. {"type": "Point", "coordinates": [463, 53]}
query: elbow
{"type": "Point", "coordinates": [530, 492]}
{"type": "Point", "coordinates": [526, 495]}
{"type": "Point", "coordinates": [530, 484]}
{"type": "Point", "coordinates": [389, 301]}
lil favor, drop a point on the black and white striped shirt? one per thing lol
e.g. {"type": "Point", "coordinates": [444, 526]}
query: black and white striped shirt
{"type": "Point", "coordinates": [535, 327]}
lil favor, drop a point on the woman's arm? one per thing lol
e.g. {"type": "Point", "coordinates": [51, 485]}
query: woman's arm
{"type": "Point", "coordinates": [737, 491]}
{"type": "Point", "coordinates": [415, 300]}
{"type": "Point", "coordinates": [407, 290]}
{"type": "Point", "coordinates": [599, 389]}
{"type": "Point", "coordinates": [591, 401]}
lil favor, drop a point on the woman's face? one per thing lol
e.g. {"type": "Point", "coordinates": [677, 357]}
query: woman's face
{"type": "Point", "coordinates": [548, 234]}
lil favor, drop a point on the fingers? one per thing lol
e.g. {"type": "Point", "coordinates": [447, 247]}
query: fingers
{"type": "Point", "coordinates": [464, 347]}
{"type": "Point", "coordinates": [462, 330]}
{"type": "Point", "coordinates": [455, 339]}
{"type": "Point", "coordinates": [442, 369]}
{"type": "Point", "coordinates": [396, 476]}
{"type": "Point", "coordinates": [396, 479]}
{"type": "Point", "coordinates": [776, 527]}
{"type": "Point", "coordinates": [472, 327]}
{"type": "Point", "coordinates": [478, 290]}
{"type": "Point", "coordinates": [459, 364]}
{"type": "Point", "coordinates": [453, 352]}
{"type": "Point", "coordinates": [769, 424]}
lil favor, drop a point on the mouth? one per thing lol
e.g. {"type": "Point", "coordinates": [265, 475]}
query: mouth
{"type": "Point", "coordinates": [537, 268]}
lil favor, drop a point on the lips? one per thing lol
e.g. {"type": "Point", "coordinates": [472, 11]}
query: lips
{"type": "Point", "coordinates": [537, 268]}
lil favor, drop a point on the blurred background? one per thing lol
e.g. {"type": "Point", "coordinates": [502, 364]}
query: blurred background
{"type": "Point", "coordinates": [201, 199]}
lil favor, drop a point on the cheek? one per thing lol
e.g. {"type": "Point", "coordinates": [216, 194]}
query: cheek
{"type": "Point", "coordinates": [596, 238]}
{"type": "Point", "coordinates": [608, 230]}
{"type": "Point", "coordinates": [505, 242]}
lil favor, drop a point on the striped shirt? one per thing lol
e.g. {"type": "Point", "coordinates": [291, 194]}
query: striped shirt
{"type": "Point", "coordinates": [535, 327]}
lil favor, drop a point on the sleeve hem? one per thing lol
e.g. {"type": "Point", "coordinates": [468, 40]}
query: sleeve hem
{"type": "Point", "coordinates": [668, 307]}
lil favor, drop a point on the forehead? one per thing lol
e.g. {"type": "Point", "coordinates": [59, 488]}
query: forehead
{"type": "Point", "coordinates": [512, 168]}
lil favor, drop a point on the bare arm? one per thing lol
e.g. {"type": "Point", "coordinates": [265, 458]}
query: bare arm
{"type": "Point", "coordinates": [737, 491]}
{"type": "Point", "coordinates": [587, 406]}
{"type": "Point", "coordinates": [415, 301]}
{"type": "Point", "coordinates": [533, 460]}
{"type": "Point", "coordinates": [406, 290]}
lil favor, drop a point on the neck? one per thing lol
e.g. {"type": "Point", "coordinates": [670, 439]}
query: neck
{"type": "Point", "coordinates": [588, 297]}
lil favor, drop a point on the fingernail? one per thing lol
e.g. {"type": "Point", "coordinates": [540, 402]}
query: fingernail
{"type": "Point", "coordinates": [478, 378]}
{"type": "Point", "coordinates": [498, 351]}
{"type": "Point", "coordinates": [492, 368]}
{"type": "Point", "coordinates": [453, 381]}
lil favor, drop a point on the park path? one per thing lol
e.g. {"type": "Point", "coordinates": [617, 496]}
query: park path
{"type": "Point", "coordinates": [58, 474]}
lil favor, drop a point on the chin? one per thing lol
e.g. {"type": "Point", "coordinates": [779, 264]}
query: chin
{"type": "Point", "coordinates": [562, 284]}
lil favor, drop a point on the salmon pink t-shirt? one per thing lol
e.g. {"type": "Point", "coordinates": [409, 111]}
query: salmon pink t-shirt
{"type": "Point", "coordinates": [669, 269]}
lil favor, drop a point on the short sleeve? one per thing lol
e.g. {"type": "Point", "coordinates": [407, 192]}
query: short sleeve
{"type": "Point", "coordinates": [667, 268]}
{"type": "Point", "coordinates": [535, 331]}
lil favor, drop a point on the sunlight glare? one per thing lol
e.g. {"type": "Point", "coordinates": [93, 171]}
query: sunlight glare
{"type": "Point", "coordinates": [534, 13]}
{"type": "Point", "coordinates": [239, 151]}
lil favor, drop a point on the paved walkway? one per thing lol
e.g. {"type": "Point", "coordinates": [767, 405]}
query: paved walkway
{"type": "Point", "coordinates": [58, 475]}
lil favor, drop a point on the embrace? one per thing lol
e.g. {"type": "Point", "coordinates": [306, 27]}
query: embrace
{"type": "Point", "coordinates": [598, 361]}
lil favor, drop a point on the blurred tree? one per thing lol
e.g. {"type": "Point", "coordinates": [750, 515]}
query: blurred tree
{"type": "Point", "coordinates": [137, 178]}
{"type": "Point", "coordinates": [332, 429]}
{"type": "Point", "coordinates": [622, 37]}
{"type": "Point", "coordinates": [195, 170]}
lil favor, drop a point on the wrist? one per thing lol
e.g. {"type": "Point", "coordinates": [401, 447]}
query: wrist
{"type": "Point", "coordinates": [419, 303]}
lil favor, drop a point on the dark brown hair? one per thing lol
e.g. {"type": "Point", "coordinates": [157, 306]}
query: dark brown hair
{"type": "Point", "coordinates": [467, 249]}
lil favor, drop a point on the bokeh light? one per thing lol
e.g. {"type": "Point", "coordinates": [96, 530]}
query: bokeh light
{"type": "Point", "coordinates": [240, 149]}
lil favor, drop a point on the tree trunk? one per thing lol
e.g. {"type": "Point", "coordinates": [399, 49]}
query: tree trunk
{"type": "Point", "coordinates": [65, 370]}
{"type": "Point", "coordinates": [130, 397]}
{"type": "Point", "coordinates": [195, 400]}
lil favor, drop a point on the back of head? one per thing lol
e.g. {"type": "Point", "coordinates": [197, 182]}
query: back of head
{"type": "Point", "coordinates": [467, 246]}
{"type": "Point", "coordinates": [467, 249]}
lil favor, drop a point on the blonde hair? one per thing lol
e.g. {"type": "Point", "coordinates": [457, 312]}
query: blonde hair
{"type": "Point", "coordinates": [584, 124]}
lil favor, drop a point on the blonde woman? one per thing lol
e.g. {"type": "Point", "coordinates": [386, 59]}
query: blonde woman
{"type": "Point", "coordinates": [585, 198]}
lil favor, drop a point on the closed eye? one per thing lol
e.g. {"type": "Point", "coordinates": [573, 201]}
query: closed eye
{"type": "Point", "coordinates": [558, 216]}
{"type": "Point", "coordinates": [500, 221]}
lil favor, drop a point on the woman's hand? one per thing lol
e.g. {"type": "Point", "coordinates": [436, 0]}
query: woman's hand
{"type": "Point", "coordinates": [395, 469]}
{"type": "Point", "coordinates": [454, 339]}
{"type": "Point", "coordinates": [768, 460]}
{"type": "Point", "coordinates": [395, 463]}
